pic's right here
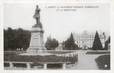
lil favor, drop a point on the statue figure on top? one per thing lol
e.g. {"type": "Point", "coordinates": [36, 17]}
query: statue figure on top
{"type": "Point", "coordinates": [37, 17]}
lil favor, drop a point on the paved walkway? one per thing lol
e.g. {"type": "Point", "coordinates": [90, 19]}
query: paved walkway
{"type": "Point", "coordinates": [85, 61]}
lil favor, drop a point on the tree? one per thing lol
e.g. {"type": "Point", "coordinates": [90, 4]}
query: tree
{"type": "Point", "coordinates": [107, 42]}
{"type": "Point", "coordinates": [69, 44]}
{"type": "Point", "coordinates": [16, 38]}
{"type": "Point", "coordinates": [97, 45]}
{"type": "Point", "coordinates": [8, 38]}
{"type": "Point", "coordinates": [51, 44]}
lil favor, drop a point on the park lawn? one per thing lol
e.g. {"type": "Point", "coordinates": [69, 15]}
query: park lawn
{"type": "Point", "coordinates": [103, 62]}
{"type": "Point", "coordinates": [13, 56]}
{"type": "Point", "coordinates": [98, 52]}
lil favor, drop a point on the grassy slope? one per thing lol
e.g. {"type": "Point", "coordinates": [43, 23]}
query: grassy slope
{"type": "Point", "coordinates": [102, 61]}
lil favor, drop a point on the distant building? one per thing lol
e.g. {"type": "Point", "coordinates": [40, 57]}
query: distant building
{"type": "Point", "coordinates": [85, 40]}
{"type": "Point", "coordinates": [60, 47]}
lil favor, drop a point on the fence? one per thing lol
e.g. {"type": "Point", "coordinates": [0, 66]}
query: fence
{"type": "Point", "coordinates": [28, 65]}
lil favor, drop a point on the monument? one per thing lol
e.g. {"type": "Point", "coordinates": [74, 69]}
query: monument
{"type": "Point", "coordinates": [36, 41]}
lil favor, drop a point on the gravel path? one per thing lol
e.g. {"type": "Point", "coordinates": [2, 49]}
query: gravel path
{"type": "Point", "coordinates": [85, 61]}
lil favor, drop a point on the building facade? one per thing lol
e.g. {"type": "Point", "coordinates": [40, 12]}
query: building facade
{"type": "Point", "coordinates": [85, 40]}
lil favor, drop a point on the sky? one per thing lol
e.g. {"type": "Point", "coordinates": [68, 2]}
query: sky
{"type": "Point", "coordinates": [56, 22]}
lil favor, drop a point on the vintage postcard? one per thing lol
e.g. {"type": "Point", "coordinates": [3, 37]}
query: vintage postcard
{"type": "Point", "coordinates": [56, 36]}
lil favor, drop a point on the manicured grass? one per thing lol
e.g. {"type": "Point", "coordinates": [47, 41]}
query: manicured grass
{"type": "Point", "coordinates": [103, 62]}
{"type": "Point", "coordinates": [98, 52]}
{"type": "Point", "coordinates": [13, 56]}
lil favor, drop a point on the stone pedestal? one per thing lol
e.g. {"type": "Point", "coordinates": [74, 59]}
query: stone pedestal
{"type": "Point", "coordinates": [11, 64]}
{"type": "Point", "coordinates": [28, 66]}
{"type": "Point", "coordinates": [64, 65]}
{"type": "Point", "coordinates": [45, 66]}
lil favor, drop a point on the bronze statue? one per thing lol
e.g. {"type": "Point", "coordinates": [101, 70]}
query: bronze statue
{"type": "Point", "coordinates": [37, 17]}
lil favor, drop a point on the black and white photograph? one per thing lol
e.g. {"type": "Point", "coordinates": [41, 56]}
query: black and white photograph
{"type": "Point", "coordinates": [56, 36]}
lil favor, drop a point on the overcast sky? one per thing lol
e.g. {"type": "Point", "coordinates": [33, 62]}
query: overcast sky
{"type": "Point", "coordinates": [59, 24]}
